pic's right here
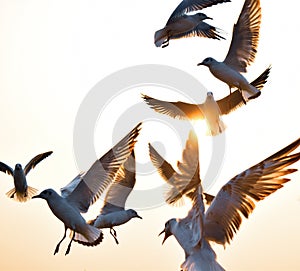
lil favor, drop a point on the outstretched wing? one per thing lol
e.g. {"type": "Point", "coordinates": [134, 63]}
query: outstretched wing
{"type": "Point", "coordinates": [237, 198]}
{"type": "Point", "coordinates": [245, 37]}
{"type": "Point", "coordinates": [193, 5]}
{"type": "Point", "coordinates": [121, 187]}
{"type": "Point", "coordinates": [34, 161]}
{"type": "Point", "coordinates": [201, 30]}
{"type": "Point", "coordinates": [176, 110]}
{"type": "Point", "coordinates": [236, 100]}
{"type": "Point", "coordinates": [101, 174]}
{"type": "Point", "coordinates": [6, 169]}
{"type": "Point", "coordinates": [185, 182]}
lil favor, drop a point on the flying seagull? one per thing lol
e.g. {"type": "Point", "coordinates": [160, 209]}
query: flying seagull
{"type": "Point", "coordinates": [241, 52]}
{"type": "Point", "coordinates": [113, 212]}
{"type": "Point", "coordinates": [211, 110]}
{"type": "Point", "coordinates": [85, 189]}
{"type": "Point", "coordinates": [223, 217]}
{"type": "Point", "coordinates": [22, 192]}
{"type": "Point", "coordinates": [181, 24]}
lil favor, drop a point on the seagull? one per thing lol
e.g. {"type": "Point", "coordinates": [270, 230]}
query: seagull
{"type": "Point", "coordinates": [223, 217]}
{"type": "Point", "coordinates": [211, 110]}
{"type": "Point", "coordinates": [241, 52]}
{"type": "Point", "coordinates": [22, 192]}
{"type": "Point", "coordinates": [84, 190]}
{"type": "Point", "coordinates": [113, 212]}
{"type": "Point", "coordinates": [181, 25]}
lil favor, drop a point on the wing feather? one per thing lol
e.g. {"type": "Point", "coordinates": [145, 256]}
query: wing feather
{"type": "Point", "coordinates": [245, 37]}
{"type": "Point", "coordinates": [237, 198]}
{"type": "Point", "coordinates": [101, 173]}
{"type": "Point", "coordinates": [185, 182]}
{"type": "Point", "coordinates": [6, 169]}
{"type": "Point", "coordinates": [193, 5]}
{"type": "Point", "coordinates": [201, 30]}
{"type": "Point", "coordinates": [121, 187]}
{"type": "Point", "coordinates": [34, 161]}
{"type": "Point", "coordinates": [176, 110]}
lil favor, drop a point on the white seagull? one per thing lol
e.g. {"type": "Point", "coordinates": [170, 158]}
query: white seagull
{"type": "Point", "coordinates": [113, 212]}
{"type": "Point", "coordinates": [223, 217]}
{"type": "Point", "coordinates": [180, 24]}
{"type": "Point", "coordinates": [85, 189]}
{"type": "Point", "coordinates": [22, 192]}
{"type": "Point", "coordinates": [211, 110]}
{"type": "Point", "coordinates": [241, 52]}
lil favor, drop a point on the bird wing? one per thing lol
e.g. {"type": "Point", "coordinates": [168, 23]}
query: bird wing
{"type": "Point", "coordinates": [34, 161]}
{"type": "Point", "coordinates": [235, 99]}
{"type": "Point", "coordinates": [192, 5]}
{"type": "Point", "coordinates": [245, 37]}
{"type": "Point", "coordinates": [201, 30]}
{"type": "Point", "coordinates": [101, 173]}
{"type": "Point", "coordinates": [238, 197]}
{"type": "Point", "coordinates": [6, 169]}
{"type": "Point", "coordinates": [121, 187]}
{"type": "Point", "coordinates": [179, 110]}
{"type": "Point", "coordinates": [183, 183]}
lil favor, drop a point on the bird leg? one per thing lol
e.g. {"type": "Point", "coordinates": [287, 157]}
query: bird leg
{"type": "Point", "coordinates": [57, 246]}
{"type": "Point", "coordinates": [165, 43]}
{"type": "Point", "coordinates": [69, 246]}
{"type": "Point", "coordinates": [114, 234]}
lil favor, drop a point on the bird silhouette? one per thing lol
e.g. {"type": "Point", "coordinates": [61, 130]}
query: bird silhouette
{"type": "Point", "coordinates": [85, 189]}
{"type": "Point", "coordinates": [22, 192]}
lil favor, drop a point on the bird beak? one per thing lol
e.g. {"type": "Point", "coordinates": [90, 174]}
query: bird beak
{"type": "Point", "coordinates": [201, 63]}
{"type": "Point", "coordinates": [166, 236]}
{"type": "Point", "coordinates": [139, 217]}
{"type": "Point", "coordinates": [36, 197]}
{"type": "Point", "coordinates": [209, 18]}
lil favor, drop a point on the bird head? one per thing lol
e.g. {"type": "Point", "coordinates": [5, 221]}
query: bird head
{"type": "Point", "coordinates": [167, 230]}
{"type": "Point", "coordinates": [210, 94]}
{"type": "Point", "coordinates": [206, 62]}
{"type": "Point", "coordinates": [133, 213]}
{"type": "Point", "coordinates": [202, 16]}
{"type": "Point", "coordinates": [46, 194]}
{"type": "Point", "coordinates": [18, 167]}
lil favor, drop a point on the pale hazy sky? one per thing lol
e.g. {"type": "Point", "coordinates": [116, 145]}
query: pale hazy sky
{"type": "Point", "coordinates": [54, 52]}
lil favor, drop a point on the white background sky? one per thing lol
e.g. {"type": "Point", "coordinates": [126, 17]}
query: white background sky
{"type": "Point", "coordinates": [53, 52]}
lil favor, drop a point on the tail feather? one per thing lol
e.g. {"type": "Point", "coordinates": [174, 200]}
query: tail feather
{"type": "Point", "coordinates": [21, 196]}
{"type": "Point", "coordinates": [215, 128]}
{"type": "Point", "coordinates": [92, 237]}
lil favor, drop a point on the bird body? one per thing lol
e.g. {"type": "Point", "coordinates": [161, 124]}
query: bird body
{"type": "Point", "coordinates": [212, 114]}
{"type": "Point", "coordinates": [231, 77]}
{"type": "Point", "coordinates": [113, 212]}
{"type": "Point", "coordinates": [181, 24]}
{"type": "Point", "coordinates": [184, 26]}
{"type": "Point", "coordinates": [85, 189]}
{"type": "Point", "coordinates": [114, 219]}
{"type": "Point", "coordinates": [21, 191]}
{"type": "Point", "coordinates": [70, 216]}
{"type": "Point", "coordinates": [242, 51]}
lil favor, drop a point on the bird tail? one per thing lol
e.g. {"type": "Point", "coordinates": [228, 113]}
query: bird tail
{"type": "Point", "coordinates": [215, 128]}
{"type": "Point", "coordinates": [202, 259]}
{"type": "Point", "coordinates": [160, 36]}
{"type": "Point", "coordinates": [91, 237]}
{"type": "Point", "coordinates": [22, 196]}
